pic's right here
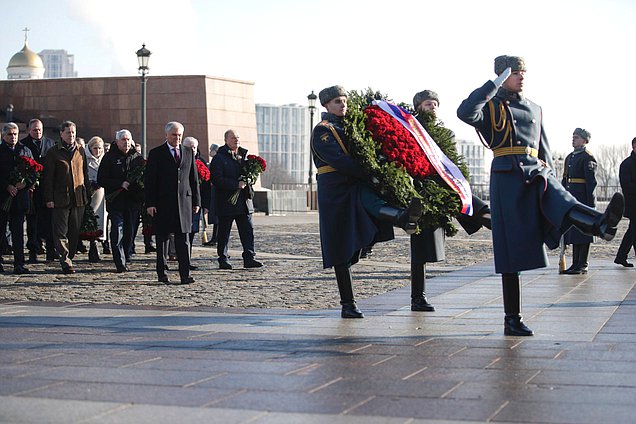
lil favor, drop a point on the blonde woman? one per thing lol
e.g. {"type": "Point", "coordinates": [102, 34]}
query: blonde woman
{"type": "Point", "coordinates": [94, 156]}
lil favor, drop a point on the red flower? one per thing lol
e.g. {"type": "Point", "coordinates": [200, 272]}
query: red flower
{"type": "Point", "coordinates": [397, 143]}
{"type": "Point", "coordinates": [204, 172]}
{"type": "Point", "coordinates": [253, 167]}
{"type": "Point", "coordinates": [26, 171]}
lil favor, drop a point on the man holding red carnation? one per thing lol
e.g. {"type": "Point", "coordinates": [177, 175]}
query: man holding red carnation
{"type": "Point", "coordinates": [14, 191]}
{"type": "Point", "coordinates": [352, 216]}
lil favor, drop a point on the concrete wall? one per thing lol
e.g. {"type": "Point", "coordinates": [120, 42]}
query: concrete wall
{"type": "Point", "coordinates": [206, 106]}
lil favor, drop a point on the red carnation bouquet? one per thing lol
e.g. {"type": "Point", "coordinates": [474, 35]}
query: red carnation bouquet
{"type": "Point", "coordinates": [252, 169]}
{"type": "Point", "coordinates": [397, 143]}
{"type": "Point", "coordinates": [202, 169]}
{"type": "Point", "coordinates": [134, 176]}
{"type": "Point", "coordinates": [26, 171]}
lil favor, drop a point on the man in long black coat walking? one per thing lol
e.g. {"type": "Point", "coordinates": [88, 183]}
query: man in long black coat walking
{"type": "Point", "coordinates": [172, 195]}
{"type": "Point", "coordinates": [627, 177]}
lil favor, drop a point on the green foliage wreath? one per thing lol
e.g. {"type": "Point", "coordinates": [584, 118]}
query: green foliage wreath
{"type": "Point", "coordinates": [390, 180]}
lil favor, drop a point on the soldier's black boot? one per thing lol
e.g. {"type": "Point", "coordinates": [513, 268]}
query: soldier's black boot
{"type": "Point", "coordinates": [419, 302]}
{"type": "Point", "coordinates": [593, 223]}
{"type": "Point", "coordinates": [349, 307]}
{"type": "Point", "coordinates": [93, 254]}
{"type": "Point", "coordinates": [584, 252]}
{"type": "Point", "coordinates": [406, 219]}
{"type": "Point", "coordinates": [575, 260]}
{"type": "Point", "coordinates": [513, 324]}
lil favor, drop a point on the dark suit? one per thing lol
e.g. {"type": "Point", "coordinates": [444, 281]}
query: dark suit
{"type": "Point", "coordinates": [39, 223]}
{"type": "Point", "coordinates": [173, 189]}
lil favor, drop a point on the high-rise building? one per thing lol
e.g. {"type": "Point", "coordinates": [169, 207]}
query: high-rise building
{"type": "Point", "coordinates": [58, 64]}
{"type": "Point", "coordinates": [475, 159]}
{"type": "Point", "coordinates": [283, 141]}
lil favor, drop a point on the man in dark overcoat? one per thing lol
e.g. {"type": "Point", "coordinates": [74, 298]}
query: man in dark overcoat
{"type": "Point", "coordinates": [123, 197]}
{"type": "Point", "coordinates": [15, 192]}
{"type": "Point", "coordinates": [350, 211]}
{"type": "Point", "coordinates": [579, 179]}
{"type": "Point", "coordinates": [627, 177]}
{"type": "Point", "coordinates": [39, 221]}
{"type": "Point", "coordinates": [529, 206]}
{"type": "Point", "coordinates": [172, 195]}
{"type": "Point", "coordinates": [225, 173]}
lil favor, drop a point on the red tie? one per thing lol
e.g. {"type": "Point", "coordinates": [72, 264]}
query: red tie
{"type": "Point", "coordinates": [176, 154]}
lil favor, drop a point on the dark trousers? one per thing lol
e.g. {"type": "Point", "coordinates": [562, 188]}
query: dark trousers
{"type": "Point", "coordinates": [38, 229]}
{"type": "Point", "coordinates": [182, 246]}
{"type": "Point", "coordinates": [246, 233]}
{"type": "Point", "coordinates": [628, 241]}
{"type": "Point", "coordinates": [122, 225]}
{"type": "Point", "coordinates": [16, 226]}
{"type": "Point", "coordinates": [66, 224]}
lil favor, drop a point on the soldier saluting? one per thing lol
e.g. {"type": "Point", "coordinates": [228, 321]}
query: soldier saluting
{"type": "Point", "coordinates": [579, 179]}
{"type": "Point", "coordinates": [529, 207]}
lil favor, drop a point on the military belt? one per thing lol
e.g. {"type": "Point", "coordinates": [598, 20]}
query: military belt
{"type": "Point", "coordinates": [518, 150]}
{"type": "Point", "coordinates": [325, 169]}
{"type": "Point", "coordinates": [577, 180]}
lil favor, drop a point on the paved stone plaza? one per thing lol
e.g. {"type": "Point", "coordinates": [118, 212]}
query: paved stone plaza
{"type": "Point", "coordinates": [110, 358]}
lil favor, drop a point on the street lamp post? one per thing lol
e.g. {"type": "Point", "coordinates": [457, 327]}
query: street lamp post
{"type": "Point", "coordinates": [143, 56]}
{"type": "Point", "coordinates": [312, 108]}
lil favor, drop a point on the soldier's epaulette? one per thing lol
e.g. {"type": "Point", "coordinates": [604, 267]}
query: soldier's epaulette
{"type": "Point", "coordinates": [588, 151]}
{"type": "Point", "coordinates": [324, 123]}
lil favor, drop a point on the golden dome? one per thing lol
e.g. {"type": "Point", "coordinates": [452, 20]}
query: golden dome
{"type": "Point", "coordinates": [26, 58]}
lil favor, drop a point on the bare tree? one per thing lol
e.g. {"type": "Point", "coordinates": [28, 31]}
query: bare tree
{"type": "Point", "coordinates": [558, 159]}
{"type": "Point", "coordinates": [609, 158]}
{"type": "Point", "coordinates": [275, 173]}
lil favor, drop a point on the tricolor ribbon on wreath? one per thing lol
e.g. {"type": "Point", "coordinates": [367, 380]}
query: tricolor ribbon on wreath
{"type": "Point", "coordinates": [446, 169]}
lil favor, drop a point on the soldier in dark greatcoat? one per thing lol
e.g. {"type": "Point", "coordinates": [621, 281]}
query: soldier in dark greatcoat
{"type": "Point", "coordinates": [529, 207]}
{"type": "Point", "coordinates": [627, 177]}
{"type": "Point", "coordinates": [350, 211]}
{"type": "Point", "coordinates": [428, 244]}
{"type": "Point", "coordinates": [579, 179]}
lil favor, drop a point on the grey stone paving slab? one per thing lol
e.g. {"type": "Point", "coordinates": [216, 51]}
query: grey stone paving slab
{"type": "Point", "coordinates": [454, 365]}
{"type": "Point", "coordinates": [31, 410]}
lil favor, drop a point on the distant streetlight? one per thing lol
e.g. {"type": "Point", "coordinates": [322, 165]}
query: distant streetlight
{"type": "Point", "coordinates": [312, 108]}
{"type": "Point", "coordinates": [143, 56]}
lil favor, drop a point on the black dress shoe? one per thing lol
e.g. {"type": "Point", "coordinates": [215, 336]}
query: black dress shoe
{"type": "Point", "coordinates": [576, 270]}
{"type": "Point", "coordinates": [150, 249]}
{"type": "Point", "coordinates": [193, 267]}
{"type": "Point", "coordinates": [225, 265]}
{"type": "Point", "coordinates": [187, 280]}
{"type": "Point", "coordinates": [20, 269]}
{"type": "Point", "coordinates": [121, 269]}
{"type": "Point", "coordinates": [252, 263]}
{"type": "Point", "coordinates": [420, 304]}
{"type": "Point", "coordinates": [350, 310]}
{"type": "Point", "coordinates": [163, 279]}
{"type": "Point", "coordinates": [624, 263]}
{"type": "Point", "coordinates": [514, 326]}
{"type": "Point", "coordinates": [33, 257]}
{"type": "Point", "coordinates": [68, 270]}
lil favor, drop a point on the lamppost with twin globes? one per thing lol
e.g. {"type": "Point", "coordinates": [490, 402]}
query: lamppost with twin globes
{"type": "Point", "coordinates": [312, 108]}
{"type": "Point", "coordinates": [143, 56]}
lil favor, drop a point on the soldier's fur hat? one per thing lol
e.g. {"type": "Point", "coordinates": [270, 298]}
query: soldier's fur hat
{"type": "Point", "coordinates": [425, 95]}
{"type": "Point", "coordinates": [331, 93]}
{"type": "Point", "coordinates": [515, 63]}
{"type": "Point", "coordinates": [583, 134]}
